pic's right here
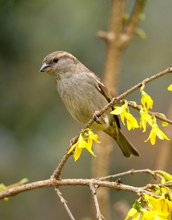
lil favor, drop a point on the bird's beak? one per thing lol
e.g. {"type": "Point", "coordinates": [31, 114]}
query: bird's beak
{"type": "Point", "coordinates": [44, 67]}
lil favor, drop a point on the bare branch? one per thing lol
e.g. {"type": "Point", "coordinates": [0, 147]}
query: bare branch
{"type": "Point", "coordinates": [115, 22]}
{"type": "Point", "coordinates": [63, 201]}
{"type": "Point", "coordinates": [134, 20]}
{"type": "Point", "coordinates": [116, 17]}
{"type": "Point", "coordinates": [93, 191]}
{"type": "Point", "coordinates": [66, 182]}
{"type": "Point", "coordinates": [144, 82]}
{"type": "Point", "coordinates": [110, 177]}
{"type": "Point", "coordinates": [24, 188]}
{"type": "Point", "coordinates": [60, 166]}
{"type": "Point", "coordinates": [58, 170]}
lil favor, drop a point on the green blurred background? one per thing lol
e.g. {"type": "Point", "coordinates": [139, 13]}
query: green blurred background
{"type": "Point", "coordinates": [35, 128]}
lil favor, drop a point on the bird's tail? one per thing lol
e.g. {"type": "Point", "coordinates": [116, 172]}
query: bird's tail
{"type": "Point", "coordinates": [126, 148]}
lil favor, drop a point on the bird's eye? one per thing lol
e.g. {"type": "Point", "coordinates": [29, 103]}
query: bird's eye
{"type": "Point", "coordinates": [55, 60]}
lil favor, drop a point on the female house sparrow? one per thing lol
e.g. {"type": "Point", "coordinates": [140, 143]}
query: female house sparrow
{"type": "Point", "coordinates": [83, 93]}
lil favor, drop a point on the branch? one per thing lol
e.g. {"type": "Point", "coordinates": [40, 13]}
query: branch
{"type": "Point", "coordinates": [58, 170]}
{"type": "Point", "coordinates": [98, 213]}
{"type": "Point", "coordinates": [115, 21]}
{"type": "Point", "coordinates": [63, 201]}
{"type": "Point", "coordinates": [156, 114]}
{"type": "Point", "coordinates": [71, 182]}
{"type": "Point", "coordinates": [134, 20]}
{"type": "Point", "coordinates": [110, 177]}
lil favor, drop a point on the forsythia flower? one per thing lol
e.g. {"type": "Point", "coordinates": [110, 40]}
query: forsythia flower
{"type": "Point", "coordinates": [134, 212]}
{"type": "Point", "coordinates": [154, 208]}
{"type": "Point", "coordinates": [163, 123]}
{"type": "Point", "coordinates": [146, 100]}
{"type": "Point", "coordinates": [159, 208]}
{"type": "Point", "coordinates": [124, 113]}
{"type": "Point", "coordinates": [156, 131]}
{"type": "Point", "coordinates": [145, 118]}
{"type": "Point", "coordinates": [165, 177]}
{"type": "Point", "coordinates": [170, 87]}
{"type": "Point", "coordinates": [85, 140]}
{"type": "Point", "coordinates": [131, 121]}
{"type": "Point", "coordinates": [120, 110]}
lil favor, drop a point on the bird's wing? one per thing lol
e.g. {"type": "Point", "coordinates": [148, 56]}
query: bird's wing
{"type": "Point", "coordinates": [101, 87]}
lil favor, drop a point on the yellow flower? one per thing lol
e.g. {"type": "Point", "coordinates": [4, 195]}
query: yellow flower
{"type": "Point", "coordinates": [146, 100]}
{"type": "Point", "coordinates": [151, 215]}
{"type": "Point", "coordinates": [85, 140]}
{"type": "Point", "coordinates": [159, 208]}
{"type": "Point", "coordinates": [163, 123]}
{"type": "Point", "coordinates": [165, 177]}
{"type": "Point", "coordinates": [156, 131]}
{"type": "Point", "coordinates": [131, 121]}
{"type": "Point", "coordinates": [124, 113]}
{"type": "Point", "coordinates": [120, 110]}
{"type": "Point", "coordinates": [145, 118]}
{"type": "Point", "coordinates": [154, 209]}
{"type": "Point", "coordinates": [170, 87]}
{"type": "Point", "coordinates": [134, 212]}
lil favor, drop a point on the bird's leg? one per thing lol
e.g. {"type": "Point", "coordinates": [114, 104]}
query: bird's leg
{"type": "Point", "coordinates": [96, 117]}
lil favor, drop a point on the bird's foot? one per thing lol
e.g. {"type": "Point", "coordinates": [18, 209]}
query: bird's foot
{"type": "Point", "coordinates": [96, 117]}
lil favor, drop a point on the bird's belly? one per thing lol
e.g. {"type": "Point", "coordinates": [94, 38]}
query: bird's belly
{"type": "Point", "coordinates": [82, 104]}
{"type": "Point", "coordinates": [82, 114]}
{"type": "Point", "coordinates": [79, 110]}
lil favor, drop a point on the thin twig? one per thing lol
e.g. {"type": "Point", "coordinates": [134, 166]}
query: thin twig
{"type": "Point", "coordinates": [115, 22]}
{"type": "Point", "coordinates": [58, 170]}
{"type": "Point", "coordinates": [133, 22]}
{"type": "Point", "coordinates": [98, 213]}
{"type": "Point", "coordinates": [63, 201]}
{"type": "Point", "coordinates": [151, 172]}
{"type": "Point", "coordinates": [144, 82]}
{"type": "Point", "coordinates": [156, 114]}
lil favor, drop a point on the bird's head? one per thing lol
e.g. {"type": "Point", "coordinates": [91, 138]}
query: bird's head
{"type": "Point", "coordinates": [59, 62]}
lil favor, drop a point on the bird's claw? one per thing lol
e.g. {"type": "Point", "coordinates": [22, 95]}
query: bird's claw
{"type": "Point", "coordinates": [96, 117]}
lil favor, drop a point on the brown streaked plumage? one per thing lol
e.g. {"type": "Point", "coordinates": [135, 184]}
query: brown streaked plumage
{"type": "Point", "coordinates": [83, 93]}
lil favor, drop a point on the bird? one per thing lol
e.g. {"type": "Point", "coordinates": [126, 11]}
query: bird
{"type": "Point", "coordinates": [83, 93]}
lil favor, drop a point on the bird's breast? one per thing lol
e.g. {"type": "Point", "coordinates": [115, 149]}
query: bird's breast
{"type": "Point", "coordinates": [81, 100]}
